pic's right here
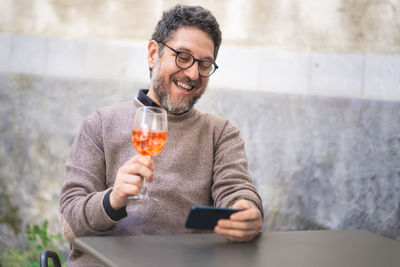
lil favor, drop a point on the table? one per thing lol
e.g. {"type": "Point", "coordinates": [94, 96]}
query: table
{"type": "Point", "coordinates": [323, 248]}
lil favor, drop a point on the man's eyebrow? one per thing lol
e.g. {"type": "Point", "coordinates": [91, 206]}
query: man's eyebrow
{"type": "Point", "coordinates": [183, 49]}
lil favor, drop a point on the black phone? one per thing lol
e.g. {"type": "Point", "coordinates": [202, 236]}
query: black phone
{"type": "Point", "coordinates": [205, 217]}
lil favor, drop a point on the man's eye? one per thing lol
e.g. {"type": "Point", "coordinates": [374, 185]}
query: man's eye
{"type": "Point", "coordinates": [184, 58]}
{"type": "Point", "coordinates": [205, 65]}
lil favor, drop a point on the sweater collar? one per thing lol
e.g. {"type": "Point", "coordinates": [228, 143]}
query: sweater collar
{"type": "Point", "coordinates": [143, 100]}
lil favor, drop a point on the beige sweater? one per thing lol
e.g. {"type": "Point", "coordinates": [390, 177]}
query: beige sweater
{"type": "Point", "coordinates": [202, 163]}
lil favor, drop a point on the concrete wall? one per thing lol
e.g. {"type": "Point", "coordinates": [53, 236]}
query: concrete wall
{"type": "Point", "coordinates": [318, 162]}
{"type": "Point", "coordinates": [328, 25]}
{"type": "Point", "coordinates": [324, 75]}
{"type": "Point", "coordinates": [368, 76]}
{"type": "Point", "coordinates": [330, 48]}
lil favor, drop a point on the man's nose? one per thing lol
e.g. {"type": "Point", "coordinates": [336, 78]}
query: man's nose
{"type": "Point", "coordinates": [192, 72]}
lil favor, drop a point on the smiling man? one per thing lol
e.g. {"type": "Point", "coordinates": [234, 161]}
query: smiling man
{"type": "Point", "coordinates": [203, 162]}
{"type": "Point", "coordinates": [180, 82]}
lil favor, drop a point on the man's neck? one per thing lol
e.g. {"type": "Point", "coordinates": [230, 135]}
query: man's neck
{"type": "Point", "coordinates": [152, 95]}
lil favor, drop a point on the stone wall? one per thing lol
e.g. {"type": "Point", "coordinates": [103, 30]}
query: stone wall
{"type": "Point", "coordinates": [39, 119]}
{"type": "Point", "coordinates": [356, 26]}
{"type": "Point", "coordinates": [318, 162]}
{"type": "Point", "coordinates": [330, 48]}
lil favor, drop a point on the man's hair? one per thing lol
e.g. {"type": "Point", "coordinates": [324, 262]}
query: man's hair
{"type": "Point", "coordinates": [187, 16]}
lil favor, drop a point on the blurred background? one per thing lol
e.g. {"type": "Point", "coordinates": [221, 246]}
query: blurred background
{"type": "Point", "coordinates": [313, 85]}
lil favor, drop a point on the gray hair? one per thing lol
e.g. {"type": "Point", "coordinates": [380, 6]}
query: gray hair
{"type": "Point", "coordinates": [187, 16]}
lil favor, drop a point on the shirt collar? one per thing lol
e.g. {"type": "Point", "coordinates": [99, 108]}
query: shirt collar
{"type": "Point", "coordinates": [145, 100]}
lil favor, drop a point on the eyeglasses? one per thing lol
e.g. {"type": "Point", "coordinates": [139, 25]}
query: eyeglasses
{"type": "Point", "coordinates": [185, 60]}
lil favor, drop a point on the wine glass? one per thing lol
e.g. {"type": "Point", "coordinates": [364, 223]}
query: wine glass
{"type": "Point", "coordinates": [149, 135]}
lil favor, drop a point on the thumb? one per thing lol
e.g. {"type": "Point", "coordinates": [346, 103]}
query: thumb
{"type": "Point", "coordinates": [242, 204]}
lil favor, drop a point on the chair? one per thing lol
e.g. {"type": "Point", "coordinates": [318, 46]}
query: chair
{"type": "Point", "coordinates": [45, 255]}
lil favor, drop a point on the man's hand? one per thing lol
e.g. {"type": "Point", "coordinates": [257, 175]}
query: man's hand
{"type": "Point", "coordinates": [242, 226]}
{"type": "Point", "coordinates": [129, 180]}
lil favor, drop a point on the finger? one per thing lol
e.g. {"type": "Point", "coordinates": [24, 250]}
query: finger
{"type": "Point", "coordinates": [240, 225]}
{"type": "Point", "coordinates": [131, 189]}
{"type": "Point", "coordinates": [144, 160]}
{"type": "Point", "coordinates": [131, 179]}
{"type": "Point", "coordinates": [138, 169]}
{"type": "Point", "coordinates": [246, 215]}
{"type": "Point", "coordinates": [236, 235]}
{"type": "Point", "coordinates": [242, 204]}
{"type": "Point", "coordinates": [120, 193]}
{"type": "Point", "coordinates": [125, 181]}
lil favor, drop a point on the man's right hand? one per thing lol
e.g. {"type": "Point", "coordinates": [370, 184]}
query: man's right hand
{"type": "Point", "coordinates": [129, 180]}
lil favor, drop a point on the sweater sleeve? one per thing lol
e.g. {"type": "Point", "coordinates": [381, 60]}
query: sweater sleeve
{"type": "Point", "coordinates": [85, 187]}
{"type": "Point", "coordinates": [231, 180]}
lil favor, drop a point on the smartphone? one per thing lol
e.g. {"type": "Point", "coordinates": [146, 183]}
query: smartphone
{"type": "Point", "coordinates": [205, 217]}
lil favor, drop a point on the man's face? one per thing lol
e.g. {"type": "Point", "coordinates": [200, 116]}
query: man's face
{"type": "Point", "coordinates": [177, 90]}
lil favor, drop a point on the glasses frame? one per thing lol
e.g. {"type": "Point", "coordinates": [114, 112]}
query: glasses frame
{"type": "Point", "coordinates": [194, 60]}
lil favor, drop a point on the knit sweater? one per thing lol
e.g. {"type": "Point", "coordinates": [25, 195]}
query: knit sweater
{"type": "Point", "coordinates": [203, 163]}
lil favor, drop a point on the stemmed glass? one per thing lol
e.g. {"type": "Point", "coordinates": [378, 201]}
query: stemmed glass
{"type": "Point", "coordinates": [149, 135]}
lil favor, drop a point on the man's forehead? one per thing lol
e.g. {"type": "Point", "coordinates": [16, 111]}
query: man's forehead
{"type": "Point", "coordinates": [193, 40]}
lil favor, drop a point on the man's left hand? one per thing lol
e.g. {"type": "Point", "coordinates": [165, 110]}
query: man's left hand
{"type": "Point", "coordinates": [242, 226]}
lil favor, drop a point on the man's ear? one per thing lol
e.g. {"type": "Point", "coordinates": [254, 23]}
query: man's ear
{"type": "Point", "coordinates": [152, 53]}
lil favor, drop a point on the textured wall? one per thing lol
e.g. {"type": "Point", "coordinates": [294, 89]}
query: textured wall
{"type": "Point", "coordinates": [39, 118]}
{"type": "Point", "coordinates": [335, 25]}
{"type": "Point", "coordinates": [371, 76]}
{"type": "Point", "coordinates": [319, 163]}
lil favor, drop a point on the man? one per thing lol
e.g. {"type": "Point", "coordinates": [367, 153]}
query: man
{"type": "Point", "coordinates": [202, 163]}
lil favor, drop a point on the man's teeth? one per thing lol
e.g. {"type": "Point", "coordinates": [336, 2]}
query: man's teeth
{"type": "Point", "coordinates": [186, 86]}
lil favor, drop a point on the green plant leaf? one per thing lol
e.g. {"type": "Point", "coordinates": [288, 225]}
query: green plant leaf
{"type": "Point", "coordinates": [38, 238]}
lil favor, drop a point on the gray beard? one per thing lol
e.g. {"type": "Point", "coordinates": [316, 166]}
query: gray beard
{"type": "Point", "coordinates": [162, 92]}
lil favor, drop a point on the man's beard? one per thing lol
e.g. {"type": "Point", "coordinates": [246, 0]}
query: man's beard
{"type": "Point", "coordinates": [162, 91]}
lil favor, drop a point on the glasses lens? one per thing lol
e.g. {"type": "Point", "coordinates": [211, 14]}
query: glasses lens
{"type": "Point", "coordinates": [206, 68]}
{"type": "Point", "coordinates": [184, 60]}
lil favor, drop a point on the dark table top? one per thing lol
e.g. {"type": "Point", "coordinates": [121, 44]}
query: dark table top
{"type": "Point", "coordinates": [296, 248]}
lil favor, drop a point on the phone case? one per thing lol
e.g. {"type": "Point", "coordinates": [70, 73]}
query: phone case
{"type": "Point", "coordinates": [204, 217]}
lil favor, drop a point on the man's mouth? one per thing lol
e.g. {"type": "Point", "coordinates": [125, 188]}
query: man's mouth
{"type": "Point", "coordinates": [183, 85]}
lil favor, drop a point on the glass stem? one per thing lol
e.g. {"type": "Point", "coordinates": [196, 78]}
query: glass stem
{"type": "Point", "coordinates": [144, 190]}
